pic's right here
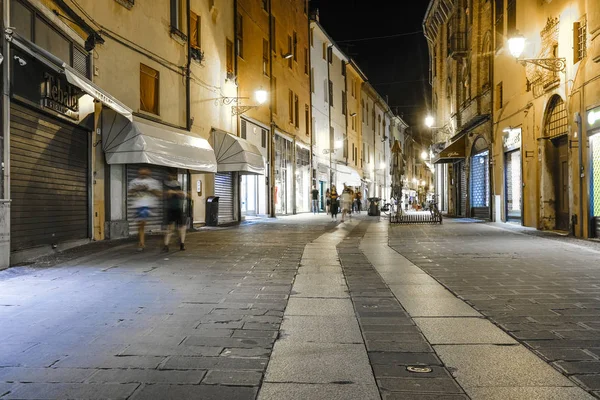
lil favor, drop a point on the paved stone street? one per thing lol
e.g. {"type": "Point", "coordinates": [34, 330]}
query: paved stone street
{"type": "Point", "coordinates": [304, 308]}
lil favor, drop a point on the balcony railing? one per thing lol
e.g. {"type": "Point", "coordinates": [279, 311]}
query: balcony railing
{"type": "Point", "coordinates": [457, 45]}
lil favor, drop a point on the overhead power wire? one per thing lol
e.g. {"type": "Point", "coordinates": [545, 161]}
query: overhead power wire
{"type": "Point", "coordinates": [380, 37]}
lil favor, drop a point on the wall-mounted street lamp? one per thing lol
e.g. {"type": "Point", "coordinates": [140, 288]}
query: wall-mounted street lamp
{"type": "Point", "coordinates": [260, 96]}
{"type": "Point", "coordinates": [516, 45]}
{"type": "Point", "coordinates": [424, 155]}
{"type": "Point", "coordinates": [429, 121]}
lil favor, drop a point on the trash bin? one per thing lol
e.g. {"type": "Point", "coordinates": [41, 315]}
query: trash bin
{"type": "Point", "coordinates": [212, 210]}
{"type": "Point", "coordinates": [374, 206]}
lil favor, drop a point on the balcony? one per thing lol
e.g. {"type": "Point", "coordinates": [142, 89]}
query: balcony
{"type": "Point", "coordinates": [458, 45]}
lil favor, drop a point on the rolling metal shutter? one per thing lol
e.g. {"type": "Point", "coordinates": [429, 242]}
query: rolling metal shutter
{"type": "Point", "coordinates": [463, 189]}
{"type": "Point", "coordinates": [49, 180]}
{"type": "Point", "coordinates": [224, 189]}
{"type": "Point", "coordinates": [154, 224]}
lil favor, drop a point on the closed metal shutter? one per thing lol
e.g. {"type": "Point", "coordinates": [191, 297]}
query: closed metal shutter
{"type": "Point", "coordinates": [224, 189]}
{"type": "Point", "coordinates": [49, 180]}
{"type": "Point", "coordinates": [154, 224]}
{"type": "Point", "coordinates": [463, 189]}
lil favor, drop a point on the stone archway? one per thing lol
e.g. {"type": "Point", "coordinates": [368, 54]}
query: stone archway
{"type": "Point", "coordinates": [554, 180]}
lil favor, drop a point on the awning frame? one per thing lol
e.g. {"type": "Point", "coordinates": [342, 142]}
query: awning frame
{"type": "Point", "coordinates": [235, 154]}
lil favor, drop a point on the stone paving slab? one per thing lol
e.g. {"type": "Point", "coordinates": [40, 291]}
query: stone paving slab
{"type": "Point", "coordinates": [542, 292]}
{"type": "Point", "coordinates": [295, 391]}
{"type": "Point", "coordinates": [326, 329]}
{"type": "Point", "coordinates": [462, 331]}
{"type": "Point", "coordinates": [530, 393]}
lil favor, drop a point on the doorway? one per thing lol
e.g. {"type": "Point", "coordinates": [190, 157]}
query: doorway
{"type": "Point", "coordinates": [249, 195]}
{"type": "Point", "coordinates": [560, 170]}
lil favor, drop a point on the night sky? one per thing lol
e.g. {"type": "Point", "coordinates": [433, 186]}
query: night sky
{"type": "Point", "coordinates": [397, 66]}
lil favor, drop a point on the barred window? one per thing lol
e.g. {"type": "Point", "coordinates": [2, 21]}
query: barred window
{"type": "Point", "coordinates": [579, 39]}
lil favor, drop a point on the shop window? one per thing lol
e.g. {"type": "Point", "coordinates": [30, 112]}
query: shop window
{"type": "Point", "coordinates": [149, 89]}
{"type": "Point", "coordinates": [195, 31]}
{"type": "Point", "coordinates": [21, 19]}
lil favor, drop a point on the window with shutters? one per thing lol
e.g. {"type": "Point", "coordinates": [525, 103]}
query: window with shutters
{"type": "Point", "coordinates": [295, 46]}
{"type": "Point", "coordinates": [239, 39]}
{"type": "Point", "coordinates": [244, 127]}
{"type": "Point", "coordinates": [346, 148]}
{"type": "Point", "coordinates": [306, 61]}
{"type": "Point", "coordinates": [274, 104]}
{"type": "Point", "coordinates": [177, 17]}
{"type": "Point", "coordinates": [265, 5]}
{"type": "Point", "coordinates": [499, 23]}
{"type": "Point", "coordinates": [195, 29]}
{"type": "Point", "coordinates": [273, 32]}
{"type": "Point", "coordinates": [344, 102]}
{"type": "Point", "coordinates": [312, 80]}
{"type": "Point", "coordinates": [229, 59]}
{"type": "Point", "coordinates": [306, 120]}
{"type": "Point", "coordinates": [263, 138]}
{"type": "Point", "coordinates": [290, 53]}
{"type": "Point", "coordinates": [579, 39]}
{"type": "Point", "coordinates": [331, 93]}
{"type": "Point", "coordinates": [312, 37]}
{"type": "Point", "coordinates": [265, 62]}
{"type": "Point", "coordinates": [499, 95]}
{"type": "Point", "coordinates": [511, 18]}
{"type": "Point", "coordinates": [149, 89]}
{"type": "Point", "coordinates": [324, 51]}
{"type": "Point", "coordinates": [296, 111]}
{"type": "Point", "coordinates": [291, 106]}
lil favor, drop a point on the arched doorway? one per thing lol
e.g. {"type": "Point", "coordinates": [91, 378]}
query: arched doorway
{"type": "Point", "coordinates": [555, 182]}
{"type": "Point", "coordinates": [480, 179]}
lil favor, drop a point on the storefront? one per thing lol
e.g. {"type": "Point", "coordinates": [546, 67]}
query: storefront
{"type": "Point", "coordinates": [235, 157]}
{"type": "Point", "coordinates": [593, 133]}
{"type": "Point", "coordinates": [480, 180]}
{"type": "Point", "coordinates": [131, 144]}
{"type": "Point", "coordinates": [450, 162]}
{"type": "Point", "coordinates": [303, 181]}
{"type": "Point", "coordinates": [513, 182]}
{"type": "Point", "coordinates": [50, 142]}
{"type": "Point", "coordinates": [253, 187]}
{"type": "Point", "coordinates": [284, 172]}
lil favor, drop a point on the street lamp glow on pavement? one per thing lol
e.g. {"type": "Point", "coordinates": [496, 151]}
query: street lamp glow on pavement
{"type": "Point", "coordinates": [429, 121]}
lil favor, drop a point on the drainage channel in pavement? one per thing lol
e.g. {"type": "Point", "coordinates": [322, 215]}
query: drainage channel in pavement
{"type": "Point", "coordinates": [403, 362]}
{"type": "Point", "coordinates": [484, 360]}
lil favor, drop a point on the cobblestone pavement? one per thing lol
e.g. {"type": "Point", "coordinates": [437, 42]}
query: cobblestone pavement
{"type": "Point", "coordinates": [183, 325]}
{"type": "Point", "coordinates": [544, 292]}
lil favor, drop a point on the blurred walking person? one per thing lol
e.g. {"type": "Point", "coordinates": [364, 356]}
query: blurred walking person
{"type": "Point", "coordinates": [315, 200]}
{"type": "Point", "coordinates": [328, 201]}
{"type": "Point", "coordinates": [174, 196]}
{"type": "Point", "coordinates": [346, 202]}
{"type": "Point", "coordinates": [145, 190]}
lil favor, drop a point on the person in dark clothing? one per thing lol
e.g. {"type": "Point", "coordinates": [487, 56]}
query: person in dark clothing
{"type": "Point", "coordinates": [174, 197]}
{"type": "Point", "coordinates": [315, 200]}
{"type": "Point", "coordinates": [334, 206]}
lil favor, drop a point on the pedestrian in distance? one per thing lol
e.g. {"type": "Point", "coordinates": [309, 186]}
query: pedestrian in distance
{"type": "Point", "coordinates": [328, 201]}
{"type": "Point", "coordinates": [145, 190]}
{"type": "Point", "coordinates": [315, 200]}
{"type": "Point", "coordinates": [334, 203]}
{"type": "Point", "coordinates": [174, 198]}
{"type": "Point", "coordinates": [358, 197]}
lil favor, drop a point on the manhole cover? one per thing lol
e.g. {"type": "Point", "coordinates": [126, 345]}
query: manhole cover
{"type": "Point", "coordinates": [419, 370]}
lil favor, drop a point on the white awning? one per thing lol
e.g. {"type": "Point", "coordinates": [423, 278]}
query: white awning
{"type": "Point", "coordinates": [347, 175]}
{"type": "Point", "coordinates": [235, 154]}
{"type": "Point", "coordinates": [75, 78]}
{"type": "Point", "coordinates": [145, 142]}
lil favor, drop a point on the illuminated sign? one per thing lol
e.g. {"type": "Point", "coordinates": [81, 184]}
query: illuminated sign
{"type": "Point", "coordinates": [511, 139]}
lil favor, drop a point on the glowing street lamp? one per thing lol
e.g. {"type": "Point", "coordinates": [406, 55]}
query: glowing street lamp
{"type": "Point", "coordinates": [261, 96]}
{"type": "Point", "coordinates": [424, 155]}
{"type": "Point", "coordinates": [429, 121]}
{"type": "Point", "coordinates": [516, 46]}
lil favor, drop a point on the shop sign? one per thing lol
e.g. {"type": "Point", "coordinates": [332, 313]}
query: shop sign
{"type": "Point", "coordinates": [593, 118]}
{"type": "Point", "coordinates": [511, 139]}
{"type": "Point", "coordinates": [39, 85]}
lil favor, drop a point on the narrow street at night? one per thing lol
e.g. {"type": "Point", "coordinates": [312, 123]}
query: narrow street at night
{"type": "Point", "coordinates": [320, 310]}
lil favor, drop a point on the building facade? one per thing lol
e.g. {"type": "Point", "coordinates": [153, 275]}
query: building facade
{"type": "Point", "coordinates": [459, 34]}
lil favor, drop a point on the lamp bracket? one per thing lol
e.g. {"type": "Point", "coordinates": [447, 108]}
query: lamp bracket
{"type": "Point", "coordinates": [239, 110]}
{"type": "Point", "coordinates": [552, 64]}
{"type": "Point", "coordinates": [227, 100]}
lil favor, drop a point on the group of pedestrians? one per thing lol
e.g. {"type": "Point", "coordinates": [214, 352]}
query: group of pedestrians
{"type": "Point", "coordinates": [146, 191]}
{"type": "Point", "coordinates": [346, 202]}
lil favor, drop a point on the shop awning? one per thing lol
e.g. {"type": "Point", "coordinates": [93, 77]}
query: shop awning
{"type": "Point", "coordinates": [347, 175]}
{"type": "Point", "coordinates": [145, 142]}
{"type": "Point", "coordinates": [235, 154]}
{"type": "Point", "coordinates": [455, 151]}
{"type": "Point", "coordinates": [73, 77]}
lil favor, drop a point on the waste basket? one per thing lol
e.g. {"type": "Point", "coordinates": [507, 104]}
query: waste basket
{"type": "Point", "coordinates": [374, 206]}
{"type": "Point", "coordinates": [212, 210]}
